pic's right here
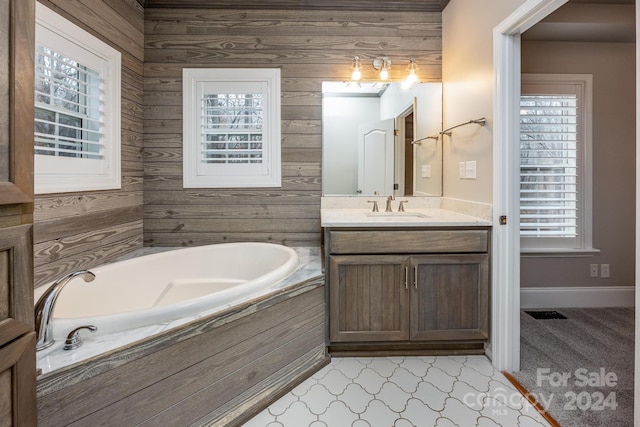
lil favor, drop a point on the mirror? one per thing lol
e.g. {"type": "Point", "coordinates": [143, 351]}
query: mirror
{"type": "Point", "coordinates": [361, 152]}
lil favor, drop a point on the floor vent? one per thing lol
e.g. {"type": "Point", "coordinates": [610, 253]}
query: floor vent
{"type": "Point", "coordinates": [543, 315]}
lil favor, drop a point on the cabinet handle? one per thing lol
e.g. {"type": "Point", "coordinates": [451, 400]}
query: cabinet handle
{"type": "Point", "coordinates": [406, 277]}
{"type": "Point", "coordinates": [415, 276]}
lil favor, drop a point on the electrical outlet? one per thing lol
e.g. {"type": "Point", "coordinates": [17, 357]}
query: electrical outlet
{"type": "Point", "coordinates": [470, 169]}
{"type": "Point", "coordinates": [462, 170]}
{"type": "Point", "coordinates": [593, 269]}
{"type": "Point", "coordinates": [604, 271]}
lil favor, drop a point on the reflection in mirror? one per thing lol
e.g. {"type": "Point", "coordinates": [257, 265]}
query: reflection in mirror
{"type": "Point", "coordinates": [367, 135]}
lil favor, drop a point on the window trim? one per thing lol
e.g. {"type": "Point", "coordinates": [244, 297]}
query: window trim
{"type": "Point", "coordinates": [52, 174]}
{"type": "Point", "coordinates": [193, 79]}
{"type": "Point", "coordinates": [532, 246]}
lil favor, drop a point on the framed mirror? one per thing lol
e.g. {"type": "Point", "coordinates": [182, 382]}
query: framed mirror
{"type": "Point", "coordinates": [380, 138]}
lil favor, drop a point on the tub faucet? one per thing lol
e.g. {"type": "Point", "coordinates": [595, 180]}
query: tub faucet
{"type": "Point", "coordinates": [45, 304]}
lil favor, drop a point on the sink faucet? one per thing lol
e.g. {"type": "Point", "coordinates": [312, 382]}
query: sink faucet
{"type": "Point", "coordinates": [388, 208]}
{"type": "Point", "coordinates": [44, 307]}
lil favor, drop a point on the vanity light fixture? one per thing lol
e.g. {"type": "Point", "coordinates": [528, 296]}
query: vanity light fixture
{"type": "Point", "coordinates": [356, 74]}
{"type": "Point", "coordinates": [382, 63]}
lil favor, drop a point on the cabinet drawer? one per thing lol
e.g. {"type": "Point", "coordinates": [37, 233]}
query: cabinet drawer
{"type": "Point", "coordinates": [407, 241]}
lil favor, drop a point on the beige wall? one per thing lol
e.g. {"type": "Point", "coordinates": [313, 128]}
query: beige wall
{"type": "Point", "coordinates": [467, 75]}
{"type": "Point", "coordinates": [613, 69]}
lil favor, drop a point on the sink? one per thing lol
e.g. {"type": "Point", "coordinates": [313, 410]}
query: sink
{"type": "Point", "coordinates": [397, 215]}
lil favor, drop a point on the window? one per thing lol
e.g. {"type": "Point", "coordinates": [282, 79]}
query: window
{"type": "Point", "coordinates": [77, 108]}
{"type": "Point", "coordinates": [231, 128]}
{"type": "Point", "coordinates": [555, 163]}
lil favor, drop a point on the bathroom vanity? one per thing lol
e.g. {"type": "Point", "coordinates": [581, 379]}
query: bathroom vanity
{"type": "Point", "coordinates": [413, 282]}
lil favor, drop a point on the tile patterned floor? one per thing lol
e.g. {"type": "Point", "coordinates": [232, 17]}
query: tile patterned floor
{"type": "Point", "coordinates": [442, 391]}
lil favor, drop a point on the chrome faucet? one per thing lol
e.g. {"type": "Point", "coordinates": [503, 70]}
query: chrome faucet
{"type": "Point", "coordinates": [388, 208]}
{"type": "Point", "coordinates": [44, 307]}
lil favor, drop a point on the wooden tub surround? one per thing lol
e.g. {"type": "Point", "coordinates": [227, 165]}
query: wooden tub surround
{"type": "Point", "coordinates": [218, 370]}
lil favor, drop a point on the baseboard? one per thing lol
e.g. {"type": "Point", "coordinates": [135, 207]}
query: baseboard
{"type": "Point", "coordinates": [579, 297]}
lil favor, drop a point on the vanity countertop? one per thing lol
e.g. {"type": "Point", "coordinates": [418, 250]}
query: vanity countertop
{"type": "Point", "coordinates": [421, 217]}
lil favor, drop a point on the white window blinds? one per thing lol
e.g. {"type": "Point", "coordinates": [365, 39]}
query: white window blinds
{"type": "Point", "coordinates": [548, 165]}
{"type": "Point", "coordinates": [232, 128]}
{"type": "Point", "coordinates": [77, 108]}
{"type": "Point", "coordinates": [555, 165]}
{"type": "Point", "coordinates": [68, 109]}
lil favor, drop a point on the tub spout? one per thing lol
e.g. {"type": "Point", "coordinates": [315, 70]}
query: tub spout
{"type": "Point", "coordinates": [44, 307]}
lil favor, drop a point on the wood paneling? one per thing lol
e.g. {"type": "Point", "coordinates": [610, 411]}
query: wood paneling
{"type": "Point", "coordinates": [211, 369]}
{"type": "Point", "coordinates": [81, 230]}
{"type": "Point", "coordinates": [308, 46]}
{"type": "Point", "coordinates": [357, 5]}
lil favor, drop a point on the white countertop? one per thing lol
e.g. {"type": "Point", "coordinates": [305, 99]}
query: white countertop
{"type": "Point", "coordinates": [421, 217]}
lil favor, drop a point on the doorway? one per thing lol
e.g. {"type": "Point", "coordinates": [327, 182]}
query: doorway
{"type": "Point", "coordinates": [506, 266]}
{"type": "Point", "coordinates": [408, 154]}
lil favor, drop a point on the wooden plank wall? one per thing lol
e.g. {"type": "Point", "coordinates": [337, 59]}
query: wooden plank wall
{"type": "Point", "coordinates": [217, 370]}
{"type": "Point", "coordinates": [309, 46]}
{"type": "Point", "coordinates": [81, 230]}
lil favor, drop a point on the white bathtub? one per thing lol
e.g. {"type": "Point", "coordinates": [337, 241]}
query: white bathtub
{"type": "Point", "coordinates": [161, 287]}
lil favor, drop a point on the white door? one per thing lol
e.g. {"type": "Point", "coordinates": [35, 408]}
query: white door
{"type": "Point", "coordinates": [375, 157]}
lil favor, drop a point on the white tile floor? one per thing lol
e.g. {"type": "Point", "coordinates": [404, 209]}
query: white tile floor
{"type": "Point", "coordinates": [442, 391]}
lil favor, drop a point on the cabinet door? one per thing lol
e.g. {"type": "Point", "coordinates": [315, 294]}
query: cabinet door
{"type": "Point", "coordinates": [17, 339]}
{"type": "Point", "coordinates": [368, 298]}
{"type": "Point", "coordinates": [17, 381]}
{"type": "Point", "coordinates": [450, 297]}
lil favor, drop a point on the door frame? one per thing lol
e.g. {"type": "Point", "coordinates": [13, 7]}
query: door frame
{"type": "Point", "coordinates": [505, 348]}
{"type": "Point", "coordinates": [399, 153]}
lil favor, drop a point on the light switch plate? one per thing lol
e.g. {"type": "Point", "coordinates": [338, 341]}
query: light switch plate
{"type": "Point", "coordinates": [470, 169]}
{"type": "Point", "coordinates": [426, 171]}
{"type": "Point", "coordinates": [462, 170]}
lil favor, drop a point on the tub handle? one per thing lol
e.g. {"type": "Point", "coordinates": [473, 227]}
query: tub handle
{"type": "Point", "coordinates": [74, 340]}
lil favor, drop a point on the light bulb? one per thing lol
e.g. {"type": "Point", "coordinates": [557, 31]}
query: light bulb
{"type": "Point", "coordinates": [412, 77]}
{"type": "Point", "coordinates": [384, 73]}
{"type": "Point", "coordinates": [356, 75]}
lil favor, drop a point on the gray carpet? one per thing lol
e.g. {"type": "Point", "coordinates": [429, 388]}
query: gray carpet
{"type": "Point", "coordinates": [581, 345]}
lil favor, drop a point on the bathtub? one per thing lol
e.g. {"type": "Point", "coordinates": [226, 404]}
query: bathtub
{"type": "Point", "coordinates": [161, 287]}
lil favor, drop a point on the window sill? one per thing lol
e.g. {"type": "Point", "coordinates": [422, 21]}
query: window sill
{"type": "Point", "coordinates": [557, 252]}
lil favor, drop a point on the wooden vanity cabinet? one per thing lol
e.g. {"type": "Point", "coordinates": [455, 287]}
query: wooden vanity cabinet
{"type": "Point", "coordinates": [368, 298]}
{"type": "Point", "coordinates": [450, 297]}
{"type": "Point", "coordinates": [429, 294]}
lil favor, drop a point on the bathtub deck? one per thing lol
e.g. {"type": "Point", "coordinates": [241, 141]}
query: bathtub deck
{"type": "Point", "coordinates": [218, 369]}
